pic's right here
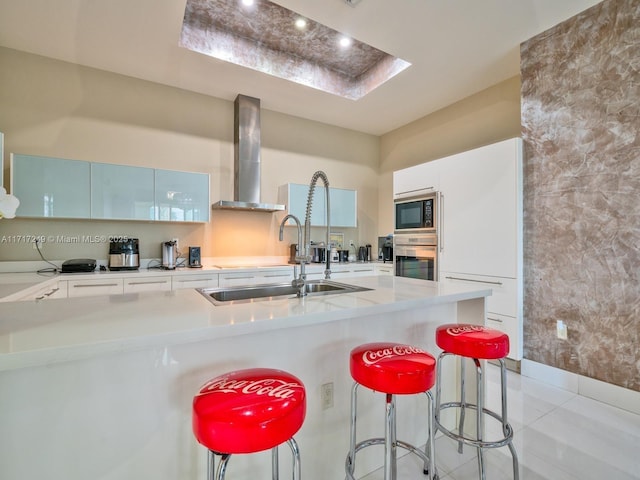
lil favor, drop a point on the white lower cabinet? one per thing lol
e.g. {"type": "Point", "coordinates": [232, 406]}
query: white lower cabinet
{"type": "Point", "coordinates": [502, 306]}
{"type": "Point", "coordinates": [202, 280]}
{"type": "Point", "coordinates": [55, 290]}
{"type": "Point", "coordinates": [101, 286]}
{"type": "Point", "coordinates": [147, 284]}
{"type": "Point", "coordinates": [384, 269]}
{"type": "Point", "coordinates": [255, 277]}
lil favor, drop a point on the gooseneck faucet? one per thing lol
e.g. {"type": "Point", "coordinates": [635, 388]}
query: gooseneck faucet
{"type": "Point", "coordinates": [307, 220]}
{"type": "Point", "coordinates": [298, 281]}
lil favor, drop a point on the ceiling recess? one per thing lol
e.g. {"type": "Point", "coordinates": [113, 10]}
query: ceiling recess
{"type": "Point", "coordinates": [272, 39]}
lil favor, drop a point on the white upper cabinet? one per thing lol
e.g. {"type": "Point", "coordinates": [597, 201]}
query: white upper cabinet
{"type": "Point", "coordinates": [343, 204]}
{"type": "Point", "coordinates": [121, 192]}
{"type": "Point", "coordinates": [59, 188]}
{"type": "Point", "coordinates": [181, 196]}
{"type": "Point", "coordinates": [50, 187]}
{"type": "Point", "coordinates": [480, 208]}
{"type": "Point", "coordinates": [417, 180]}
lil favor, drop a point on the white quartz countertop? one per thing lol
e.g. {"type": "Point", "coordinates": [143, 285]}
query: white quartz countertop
{"type": "Point", "coordinates": [40, 333]}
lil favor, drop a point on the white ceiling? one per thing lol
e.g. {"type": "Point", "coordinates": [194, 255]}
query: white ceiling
{"type": "Point", "coordinates": [456, 47]}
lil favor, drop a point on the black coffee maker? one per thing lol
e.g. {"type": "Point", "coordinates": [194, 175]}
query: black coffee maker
{"type": "Point", "coordinates": [385, 248]}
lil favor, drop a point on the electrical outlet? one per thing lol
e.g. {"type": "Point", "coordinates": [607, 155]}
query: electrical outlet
{"type": "Point", "coordinates": [326, 395]}
{"type": "Point", "coordinates": [351, 243]}
{"type": "Point", "coordinates": [561, 330]}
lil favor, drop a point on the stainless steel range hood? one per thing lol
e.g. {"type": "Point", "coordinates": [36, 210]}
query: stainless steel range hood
{"type": "Point", "coordinates": [246, 177]}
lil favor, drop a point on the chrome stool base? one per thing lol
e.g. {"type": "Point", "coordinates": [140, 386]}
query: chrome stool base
{"type": "Point", "coordinates": [461, 406]}
{"type": "Point", "coordinates": [390, 441]}
{"type": "Point", "coordinates": [219, 474]}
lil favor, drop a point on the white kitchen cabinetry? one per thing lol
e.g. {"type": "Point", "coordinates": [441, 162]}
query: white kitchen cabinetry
{"type": "Point", "coordinates": [255, 277]}
{"type": "Point", "coordinates": [122, 192]}
{"type": "Point", "coordinates": [147, 284]}
{"type": "Point", "coordinates": [52, 290]}
{"type": "Point", "coordinates": [384, 269]}
{"type": "Point", "coordinates": [200, 280]}
{"type": "Point", "coordinates": [101, 286]}
{"type": "Point", "coordinates": [181, 196]}
{"type": "Point", "coordinates": [59, 188]}
{"type": "Point", "coordinates": [50, 187]}
{"type": "Point", "coordinates": [417, 180]}
{"type": "Point", "coordinates": [481, 211]}
{"type": "Point", "coordinates": [480, 226]}
{"type": "Point", "coordinates": [343, 204]}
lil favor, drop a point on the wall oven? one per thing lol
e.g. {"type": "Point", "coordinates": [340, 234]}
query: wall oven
{"type": "Point", "coordinates": [416, 255]}
{"type": "Point", "coordinates": [414, 214]}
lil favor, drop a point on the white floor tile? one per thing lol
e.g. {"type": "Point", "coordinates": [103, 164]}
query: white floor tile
{"type": "Point", "coordinates": [558, 436]}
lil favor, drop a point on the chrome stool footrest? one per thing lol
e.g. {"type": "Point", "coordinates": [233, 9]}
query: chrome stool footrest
{"type": "Point", "coordinates": [349, 462]}
{"type": "Point", "coordinates": [459, 437]}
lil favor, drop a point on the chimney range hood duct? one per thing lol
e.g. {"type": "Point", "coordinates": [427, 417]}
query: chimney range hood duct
{"type": "Point", "coordinates": [246, 177]}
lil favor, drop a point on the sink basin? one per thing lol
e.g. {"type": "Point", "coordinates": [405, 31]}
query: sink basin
{"type": "Point", "coordinates": [251, 293]}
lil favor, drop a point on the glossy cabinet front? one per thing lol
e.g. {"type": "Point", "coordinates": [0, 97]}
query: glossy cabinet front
{"type": "Point", "coordinates": [51, 188]}
{"type": "Point", "coordinates": [343, 204]}
{"type": "Point", "coordinates": [122, 192]}
{"type": "Point", "coordinates": [59, 188]}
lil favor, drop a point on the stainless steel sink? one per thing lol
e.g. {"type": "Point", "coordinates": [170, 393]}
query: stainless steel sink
{"type": "Point", "coordinates": [252, 293]}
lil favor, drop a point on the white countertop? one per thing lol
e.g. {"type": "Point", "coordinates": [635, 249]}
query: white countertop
{"type": "Point", "coordinates": [40, 333]}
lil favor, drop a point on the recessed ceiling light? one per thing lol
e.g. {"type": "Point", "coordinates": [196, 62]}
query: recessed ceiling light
{"type": "Point", "coordinates": [301, 23]}
{"type": "Point", "coordinates": [345, 42]}
{"type": "Point", "coordinates": [247, 3]}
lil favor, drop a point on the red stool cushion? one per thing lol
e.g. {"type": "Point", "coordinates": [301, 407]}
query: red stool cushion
{"type": "Point", "coordinates": [393, 368]}
{"type": "Point", "coordinates": [248, 410]}
{"type": "Point", "coordinates": [474, 341]}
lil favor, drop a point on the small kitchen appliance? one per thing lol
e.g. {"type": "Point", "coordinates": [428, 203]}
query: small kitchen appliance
{"type": "Point", "coordinates": [416, 214]}
{"type": "Point", "coordinates": [194, 257]}
{"type": "Point", "coordinates": [169, 255]}
{"type": "Point", "coordinates": [124, 254]}
{"type": "Point", "coordinates": [78, 265]}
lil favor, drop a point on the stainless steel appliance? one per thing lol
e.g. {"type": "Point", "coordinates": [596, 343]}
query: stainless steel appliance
{"type": "Point", "coordinates": [124, 254]}
{"type": "Point", "coordinates": [169, 255]}
{"type": "Point", "coordinates": [318, 252]}
{"type": "Point", "coordinates": [416, 256]}
{"type": "Point", "coordinates": [194, 257]}
{"type": "Point", "coordinates": [385, 248]}
{"type": "Point", "coordinates": [416, 214]}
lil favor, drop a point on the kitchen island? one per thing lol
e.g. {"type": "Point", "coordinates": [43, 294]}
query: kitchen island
{"type": "Point", "coordinates": [101, 387]}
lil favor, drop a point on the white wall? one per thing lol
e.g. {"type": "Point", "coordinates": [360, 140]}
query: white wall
{"type": "Point", "coordinates": [57, 109]}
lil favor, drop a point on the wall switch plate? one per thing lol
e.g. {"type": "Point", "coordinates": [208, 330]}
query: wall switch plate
{"type": "Point", "coordinates": [326, 395]}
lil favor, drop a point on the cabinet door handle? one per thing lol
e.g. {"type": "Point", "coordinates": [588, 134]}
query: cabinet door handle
{"type": "Point", "coordinates": [48, 294]}
{"type": "Point", "coordinates": [96, 285]}
{"type": "Point", "coordinates": [495, 320]}
{"type": "Point", "coordinates": [196, 280]}
{"type": "Point", "coordinates": [440, 214]}
{"type": "Point", "coordinates": [238, 278]}
{"type": "Point", "coordinates": [148, 283]}
{"type": "Point", "coordinates": [365, 270]}
{"type": "Point", "coordinates": [474, 280]}
{"type": "Point", "coordinates": [411, 193]}
{"type": "Point", "coordinates": [277, 275]}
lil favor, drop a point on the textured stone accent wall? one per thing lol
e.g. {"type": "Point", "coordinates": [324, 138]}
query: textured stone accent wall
{"type": "Point", "coordinates": [581, 126]}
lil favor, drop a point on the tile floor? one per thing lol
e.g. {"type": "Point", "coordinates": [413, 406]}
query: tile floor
{"type": "Point", "coordinates": [559, 435]}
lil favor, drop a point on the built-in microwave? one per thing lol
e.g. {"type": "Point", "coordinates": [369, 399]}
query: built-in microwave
{"type": "Point", "coordinates": [415, 214]}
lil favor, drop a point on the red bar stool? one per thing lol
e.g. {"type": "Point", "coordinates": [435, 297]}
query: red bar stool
{"type": "Point", "coordinates": [249, 411]}
{"type": "Point", "coordinates": [393, 369]}
{"type": "Point", "coordinates": [476, 343]}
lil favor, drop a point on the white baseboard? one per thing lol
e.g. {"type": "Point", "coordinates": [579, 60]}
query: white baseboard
{"type": "Point", "coordinates": [587, 387]}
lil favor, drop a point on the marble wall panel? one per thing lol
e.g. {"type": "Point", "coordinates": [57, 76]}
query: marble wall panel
{"type": "Point", "coordinates": [581, 126]}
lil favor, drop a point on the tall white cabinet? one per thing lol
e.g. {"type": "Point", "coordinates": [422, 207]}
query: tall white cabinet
{"type": "Point", "coordinates": [480, 237]}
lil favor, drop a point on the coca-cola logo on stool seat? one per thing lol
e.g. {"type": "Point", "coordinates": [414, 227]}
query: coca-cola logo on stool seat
{"type": "Point", "coordinates": [270, 387]}
{"type": "Point", "coordinates": [460, 330]}
{"type": "Point", "coordinates": [370, 357]}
